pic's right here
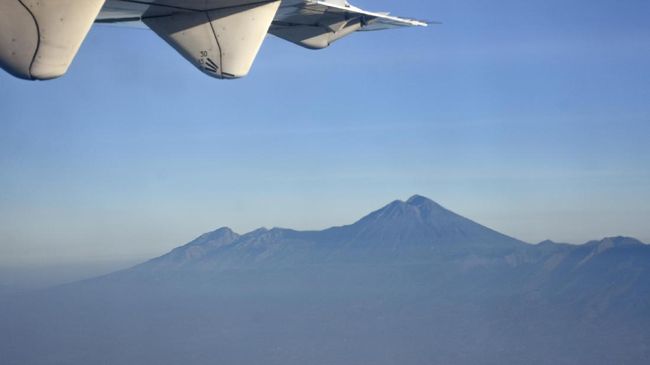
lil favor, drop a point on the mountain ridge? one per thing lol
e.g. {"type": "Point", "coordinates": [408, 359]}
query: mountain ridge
{"type": "Point", "coordinates": [417, 229]}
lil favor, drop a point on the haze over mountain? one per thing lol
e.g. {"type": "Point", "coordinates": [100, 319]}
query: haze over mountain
{"type": "Point", "coordinates": [411, 282]}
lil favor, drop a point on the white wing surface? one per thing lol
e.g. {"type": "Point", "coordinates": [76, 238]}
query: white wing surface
{"type": "Point", "coordinates": [39, 38]}
{"type": "Point", "coordinates": [223, 43]}
{"type": "Point", "coordinates": [318, 24]}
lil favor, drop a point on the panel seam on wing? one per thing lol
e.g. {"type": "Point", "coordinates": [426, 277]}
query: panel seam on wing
{"type": "Point", "coordinates": [216, 39]}
{"type": "Point", "coordinates": [38, 38]}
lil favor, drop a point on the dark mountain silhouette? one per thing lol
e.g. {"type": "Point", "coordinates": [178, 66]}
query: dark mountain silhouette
{"type": "Point", "coordinates": [409, 283]}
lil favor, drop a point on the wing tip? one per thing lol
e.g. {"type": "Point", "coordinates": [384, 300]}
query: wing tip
{"type": "Point", "coordinates": [432, 22]}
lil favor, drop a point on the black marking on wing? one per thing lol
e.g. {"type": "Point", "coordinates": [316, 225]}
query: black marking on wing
{"type": "Point", "coordinates": [211, 63]}
{"type": "Point", "coordinates": [210, 66]}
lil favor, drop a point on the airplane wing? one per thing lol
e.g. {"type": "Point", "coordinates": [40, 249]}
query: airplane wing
{"type": "Point", "coordinates": [39, 39]}
{"type": "Point", "coordinates": [318, 24]}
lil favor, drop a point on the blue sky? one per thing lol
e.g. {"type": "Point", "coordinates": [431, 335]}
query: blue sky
{"type": "Point", "coordinates": [530, 117]}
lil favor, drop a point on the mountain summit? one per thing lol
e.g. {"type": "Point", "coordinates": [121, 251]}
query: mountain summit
{"type": "Point", "coordinates": [422, 221]}
{"type": "Point", "coordinates": [202, 246]}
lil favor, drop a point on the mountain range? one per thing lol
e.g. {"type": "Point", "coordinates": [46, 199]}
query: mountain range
{"type": "Point", "coordinates": [411, 282]}
{"type": "Point", "coordinates": [401, 231]}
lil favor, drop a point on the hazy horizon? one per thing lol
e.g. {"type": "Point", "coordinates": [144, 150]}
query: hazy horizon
{"type": "Point", "coordinates": [18, 276]}
{"type": "Point", "coordinates": [531, 118]}
{"type": "Point", "coordinates": [88, 266]}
